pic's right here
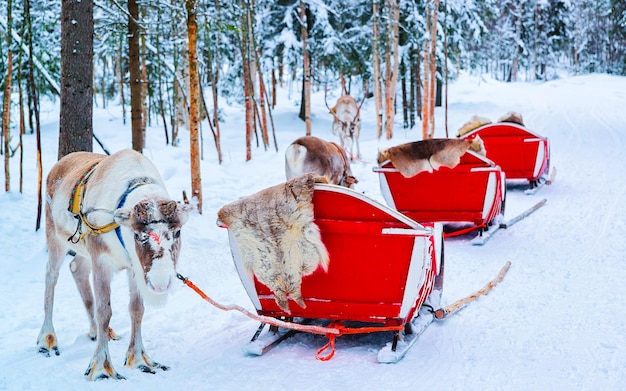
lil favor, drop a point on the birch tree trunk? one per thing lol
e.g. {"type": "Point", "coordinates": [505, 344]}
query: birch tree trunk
{"type": "Point", "coordinates": [194, 85]}
{"type": "Point", "coordinates": [246, 80]}
{"type": "Point", "coordinates": [433, 67]}
{"type": "Point", "coordinates": [134, 67]}
{"type": "Point", "coordinates": [145, 115]}
{"type": "Point", "coordinates": [518, 33]}
{"type": "Point", "coordinates": [6, 104]}
{"type": "Point", "coordinates": [214, 89]}
{"type": "Point", "coordinates": [76, 131]}
{"type": "Point", "coordinates": [391, 76]}
{"type": "Point", "coordinates": [305, 112]}
{"type": "Point", "coordinates": [430, 72]}
{"type": "Point", "coordinates": [426, 90]}
{"type": "Point", "coordinates": [378, 91]}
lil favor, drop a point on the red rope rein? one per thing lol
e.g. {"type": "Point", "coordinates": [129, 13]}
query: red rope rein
{"type": "Point", "coordinates": [332, 331]}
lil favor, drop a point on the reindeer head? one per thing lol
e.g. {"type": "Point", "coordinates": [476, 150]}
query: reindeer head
{"type": "Point", "coordinates": [155, 225]}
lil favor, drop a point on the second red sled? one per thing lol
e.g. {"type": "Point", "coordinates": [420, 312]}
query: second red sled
{"type": "Point", "coordinates": [385, 273]}
{"type": "Point", "coordinates": [473, 192]}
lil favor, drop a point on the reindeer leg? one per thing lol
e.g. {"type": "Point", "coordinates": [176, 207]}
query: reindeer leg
{"type": "Point", "coordinates": [100, 366]}
{"type": "Point", "coordinates": [47, 339]}
{"type": "Point", "coordinates": [81, 268]}
{"type": "Point", "coordinates": [136, 356]}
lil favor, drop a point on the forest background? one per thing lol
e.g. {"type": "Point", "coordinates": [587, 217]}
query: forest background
{"type": "Point", "coordinates": [176, 63]}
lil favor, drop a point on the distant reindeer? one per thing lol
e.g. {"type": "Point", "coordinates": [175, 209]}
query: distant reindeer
{"type": "Point", "coordinates": [347, 123]}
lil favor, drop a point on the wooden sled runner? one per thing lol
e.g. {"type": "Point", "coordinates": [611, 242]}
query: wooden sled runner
{"type": "Point", "coordinates": [473, 191]}
{"type": "Point", "coordinates": [521, 153]}
{"type": "Point", "coordinates": [385, 274]}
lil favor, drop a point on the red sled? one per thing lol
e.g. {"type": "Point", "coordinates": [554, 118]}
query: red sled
{"type": "Point", "coordinates": [520, 152]}
{"type": "Point", "coordinates": [473, 191]}
{"type": "Point", "coordinates": [383, 268]}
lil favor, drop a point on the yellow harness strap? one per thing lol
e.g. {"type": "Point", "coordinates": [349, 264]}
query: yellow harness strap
{"type": "Point", "coordinates": [75, 207]}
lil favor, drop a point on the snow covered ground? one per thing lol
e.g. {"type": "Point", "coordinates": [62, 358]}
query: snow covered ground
{"type": "Point", "coordinates": [556, 322]}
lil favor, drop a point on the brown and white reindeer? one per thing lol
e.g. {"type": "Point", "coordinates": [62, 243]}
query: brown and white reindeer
{"type": "Point", "coordinates": [312, 154]}
{"type": "Point", "coordinates": [114, 213]}
{"type": "Point", "coordinates": [347, 123]}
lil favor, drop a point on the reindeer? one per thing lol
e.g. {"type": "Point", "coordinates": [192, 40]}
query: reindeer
{"type": "Point", "coordinates": [312, 154]}
{"type": "Point", "coordinates": [113, 213]}
{"type": "Point", "coordinates": [347, 123]}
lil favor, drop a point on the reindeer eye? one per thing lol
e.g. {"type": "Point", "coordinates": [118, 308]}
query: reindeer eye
{"type": "Point", "coordinates": [141, 236]}
{"type": "Point", "coordinates": [176, 234]}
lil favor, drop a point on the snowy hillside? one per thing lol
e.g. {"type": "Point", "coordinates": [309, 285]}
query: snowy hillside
{"type": "Point", "coordinates": [556, 322]}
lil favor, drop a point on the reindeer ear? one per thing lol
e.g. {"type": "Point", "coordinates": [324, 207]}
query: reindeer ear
{"type": "Point", "coordinates": [122, 216]}
{"type": "Point", "coordinates": [183, 211]}
{"type": "Point", "coordinates": [168, 209]}
{"type": "Point", "coordinates": [174, 211]}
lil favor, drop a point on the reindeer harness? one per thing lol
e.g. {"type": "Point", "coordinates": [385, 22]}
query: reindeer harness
{"type": "Point", "coordinates": [345, 178]}
{"type": "Point", "coordinates": [76, 208]}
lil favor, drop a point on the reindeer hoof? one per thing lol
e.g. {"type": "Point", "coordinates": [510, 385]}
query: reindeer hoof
{"type": "Point", "coordinates": [145, 364]}
{"type": "Point", "coordinates": [46, 352]}
{"type": "Point", "coordinates": [104, 376]}
{"type": "Point", "coordinates": [102, 371]}
{"type": "Point", "coordinates": [151, 369]}
{"type": "Point", "coordinates": [48, 343]}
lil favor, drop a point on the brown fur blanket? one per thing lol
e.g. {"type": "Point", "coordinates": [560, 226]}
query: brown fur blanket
{"type": "Point", "coordinates": [513, 117]}
{"type": "Point", "coordinates": [473, 123]}
{"type": "Point", "coordinates": [428, 155]}
{"type": "Point", "coordinates": [277, 238]}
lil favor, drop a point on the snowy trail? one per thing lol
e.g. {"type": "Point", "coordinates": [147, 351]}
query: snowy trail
{"type": "Point", "coordinates": [557, 321]}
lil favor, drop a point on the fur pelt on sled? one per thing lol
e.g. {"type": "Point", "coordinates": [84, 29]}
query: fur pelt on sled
{"type": "Point", "coordinates": [474, 123]}
{"type": "Point", "coordinates": [428, 155]}
{"type": "Point", "coordinates": [277, 238]}
{"type": "Point", "coordinates": [513, 117]}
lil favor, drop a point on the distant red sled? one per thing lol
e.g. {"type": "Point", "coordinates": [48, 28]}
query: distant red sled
{"type": "Point", "coordinates": [474, 191]}
{"type": "Point", "coordinates": [520, 152]}
{"type": "Point", "coordinates": [383, 267]}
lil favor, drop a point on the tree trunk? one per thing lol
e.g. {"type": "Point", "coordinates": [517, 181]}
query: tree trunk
{"type": "Point", "coordinates": [214, 89]}
{"type": "Point", "coordinates": [160, 83]}
{"type": "Point", "coordinates": [305, 111]}
{"type": "Point", "coordinates": [31, 83]}
{"type": "Point", "coordinates": [194, 85]}
{"type": "Point", "coordinates": [433, 67]}
{"type": "Point", "coordinates": [378, 90]}
{"type": "Point", "coordinates": [145, 114]}
{"type": "Point", "coordinates": [426, 90]}
{"type": "Point", "coordinates": [391, 77]}
{"type": "Point", "coordinates": [247, 88]}
{"type": "Point", "coordinates": [405, 100]}
{"type": "Point", "coordinates": [120, 80]}
{"type": "Point", "coordinates": [445, 66]}
{"type": "Point", "coordinates": [76, 131]}
{"type": "Point", "coordinates": [430, 72]}
{"type": "Point", "coordinates": [263, 109]}
{"type": "Point", "coordinates": [6, 105]}
{"type": "Point", "coordinates": [134, 67]}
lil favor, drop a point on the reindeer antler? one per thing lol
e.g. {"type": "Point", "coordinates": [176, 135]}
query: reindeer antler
{"type": "Point", "coordinates": [358, 110]}
{"type": "Point", "coordinates": [331, 111]}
